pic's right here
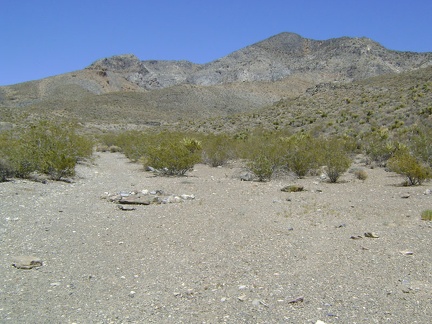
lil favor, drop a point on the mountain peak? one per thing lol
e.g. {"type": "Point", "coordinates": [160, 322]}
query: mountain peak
{"type": "Point", "coordinates": [118, 63]}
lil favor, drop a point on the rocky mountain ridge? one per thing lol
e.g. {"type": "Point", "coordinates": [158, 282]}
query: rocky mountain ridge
{"type": "Point", "coordinates": [280, 56]}
{"type": "Point", "coordinates": [123, 88]}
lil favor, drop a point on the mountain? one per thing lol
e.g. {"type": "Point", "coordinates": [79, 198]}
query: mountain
{"type": "Point", "coordinates": [281, 56]}
{"type": "Point", "coordinates": [124, 89]}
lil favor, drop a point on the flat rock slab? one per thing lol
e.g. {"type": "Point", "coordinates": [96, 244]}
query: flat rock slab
{"type": "Point", "coordinates": [139, 200]}
{"type": "Point", "coordinates": [26, 262]}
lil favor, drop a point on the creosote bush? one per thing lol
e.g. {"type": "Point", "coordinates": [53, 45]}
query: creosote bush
{"type": "Point", "coordinates": [5, 170]}
{"type": "Point", "coordinates": [264, 153]}
{"type": "Point", "coordinates": [173, 157]}
{"type": "Point", "coordinates": [420, 143]}
{"type": "Point", "coordinates": [261, 166]}
{"type": "Point", "coordinates": [302, 154]}
{"type": "Point", "coordinates": [335, 158]}
{"type": "Point", "coordinates": [404, 163]}
{"type": "Point", "coordinates": [378, 146]}
{"type": "Point", "coordinates": [46, 147]}
{"type": "Point", "coordinates": [217, 149]}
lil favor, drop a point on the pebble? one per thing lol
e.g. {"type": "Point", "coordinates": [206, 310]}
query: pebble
{"type": "Point", "coordinates": [126, 208]}
{"type": "Point", "coordinates": [296, 300]}
{"type": "Point", "coordinates": [371, 235]}
{"type": "Point", "coordinates": [407, 252]}
{"type": "Point", "coordinates": [242, 297]}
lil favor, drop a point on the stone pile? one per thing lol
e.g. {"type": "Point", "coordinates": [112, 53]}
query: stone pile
{"type": "Point", "coordinates": [146, 197]}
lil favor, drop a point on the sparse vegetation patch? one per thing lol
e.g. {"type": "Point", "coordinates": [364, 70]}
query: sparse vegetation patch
{"type": "Point", "coordinates": [427, 215]}
{"type": "Point", "coordinates": [46, 148]}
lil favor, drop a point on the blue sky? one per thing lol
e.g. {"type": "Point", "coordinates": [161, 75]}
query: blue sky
{"type": "Point", "coordinates": [41, 38]}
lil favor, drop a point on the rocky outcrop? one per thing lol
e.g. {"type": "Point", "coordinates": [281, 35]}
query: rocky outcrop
{"type": "Point", "coordinates": [146, 74]}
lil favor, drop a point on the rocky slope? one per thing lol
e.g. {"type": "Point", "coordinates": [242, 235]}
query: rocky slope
{"type": "Point", "coordinates": [392, 101]}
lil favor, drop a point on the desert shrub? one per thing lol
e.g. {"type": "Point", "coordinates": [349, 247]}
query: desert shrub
{"type": "Point", "coordinates": [7, 143]}
{"type": "Point", "coordinates": [261, 166]}
{"type": "Point", "coordinates": [426, 215]}
{"type": "Point", "coordinates": [404, 163]}
{"type": "Point", "coordinates": [334, 157]}
{"type": "Point", "coordinates": [302, 154]}
{"type": "Point", "coordinates": [132, 143]}
{"type": "Point", "coordinates": [361, 174]}
{"type": "Point", "coordinates": [378, 146]}
{"type": "Point", "coordinates": [108, 139]}
{"type": "Point", "coordinates": [420, 143]}
{"type": "Point", "coordinates": [48, 148]}
{"type": "Point", "coordinates": [114, 149]}
{"type": "Point", "coordinates": [5, 170]}
{"type": "Point", "coordinates": [152, 149]}
{"type": "Point", "coordinates": [217, 150]}
{"type": "Point", "coordinates": [172, 157]}
{"type": "Point", "coordinates": [265, 154]}
{"type": "Point", "coordinates": [102, 148]}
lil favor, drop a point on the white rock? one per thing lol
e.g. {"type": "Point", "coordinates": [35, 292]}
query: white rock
{"type": "Point", "coordinates": [187, 197]}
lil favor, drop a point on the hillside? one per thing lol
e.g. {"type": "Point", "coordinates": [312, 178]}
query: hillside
{"type": "Point", "coordinates": [125, 90]}
{"type": "Point", "coordinates": [392, 101]}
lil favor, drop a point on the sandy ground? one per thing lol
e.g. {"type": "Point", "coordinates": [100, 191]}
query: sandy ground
{"type": "Point", "coordinates": [240, 252]}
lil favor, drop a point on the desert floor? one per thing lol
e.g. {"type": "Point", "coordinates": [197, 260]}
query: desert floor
{"type": "Point", "coordinates": [240, 252]}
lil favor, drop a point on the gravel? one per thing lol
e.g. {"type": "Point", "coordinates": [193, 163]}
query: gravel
{"type": "Point", "coordinates": [240, 252]}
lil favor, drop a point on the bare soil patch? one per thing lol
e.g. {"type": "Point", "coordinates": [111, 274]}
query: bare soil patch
{"type": "Point", "coordinates": [240, 252]}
